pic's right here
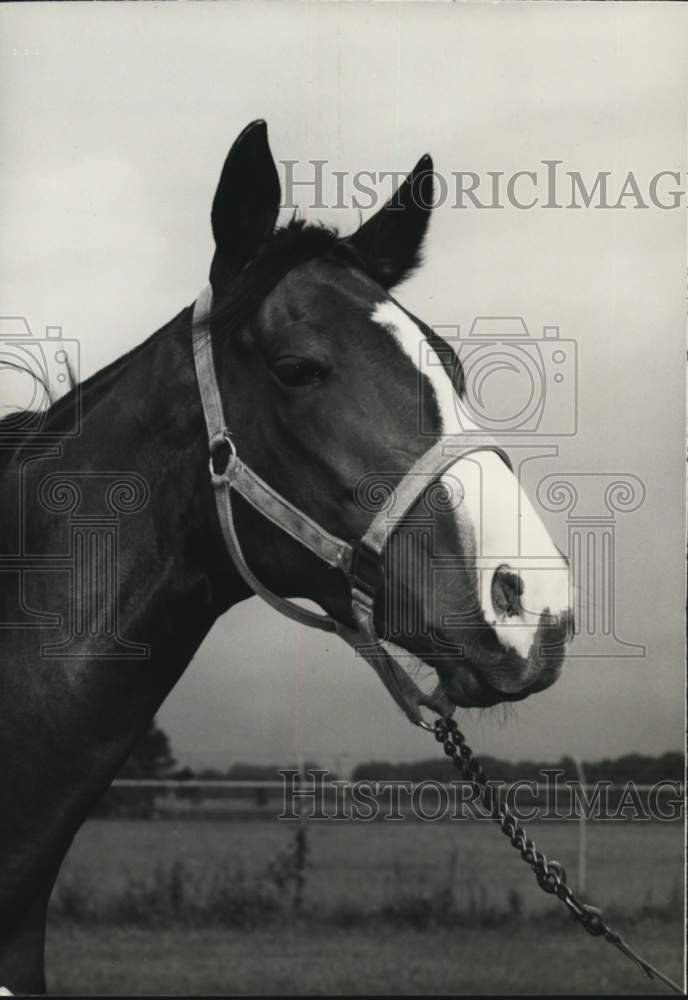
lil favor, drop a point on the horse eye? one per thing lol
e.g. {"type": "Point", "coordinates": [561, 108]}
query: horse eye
{"type": "Point", "coordinates": [296, 372]}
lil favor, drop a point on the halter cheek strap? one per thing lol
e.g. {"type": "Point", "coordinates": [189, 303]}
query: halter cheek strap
{"type": "Point", "coordinates": [256, 491]}
{"type": "Point", "coordinates": [360, 562]}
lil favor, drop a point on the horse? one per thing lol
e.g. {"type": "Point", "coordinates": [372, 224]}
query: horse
{"type": "Point", "coordinates": [254, 444]}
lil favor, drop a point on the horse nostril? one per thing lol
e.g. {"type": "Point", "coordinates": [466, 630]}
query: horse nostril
{"type": "Point", "coordinates": [507, 589]}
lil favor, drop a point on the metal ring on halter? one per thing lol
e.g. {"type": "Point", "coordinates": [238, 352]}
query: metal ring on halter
{"type": "Point", "coordinates": [215, 443]}
{"type": "Point", "coordinates": [422, 724]}
{"type": "Point", "coordinates": [444, 715]}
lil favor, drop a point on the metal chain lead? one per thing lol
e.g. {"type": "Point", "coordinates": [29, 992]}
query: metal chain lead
{"type": "Point", "coordinates": [550, 875]}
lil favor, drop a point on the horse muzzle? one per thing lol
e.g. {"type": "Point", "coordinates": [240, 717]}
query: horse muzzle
{"type": "Point", "coordinates": [484, 672]}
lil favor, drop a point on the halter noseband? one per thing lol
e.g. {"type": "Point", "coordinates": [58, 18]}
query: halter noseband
{"type": "Point", "coordinates": [361, 562]}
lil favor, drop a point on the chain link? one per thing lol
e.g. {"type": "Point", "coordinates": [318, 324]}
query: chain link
{"type": "Point", "coordinates": [550, 875]}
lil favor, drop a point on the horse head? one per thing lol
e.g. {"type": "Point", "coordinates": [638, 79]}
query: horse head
{"type": "Point", "coordinates": [333, 391]}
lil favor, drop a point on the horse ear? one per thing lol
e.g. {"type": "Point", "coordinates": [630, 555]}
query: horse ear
{"type": "Point", "coordinates": [246, 202]}
{"type": "Point", "coordinates": [390, 243]}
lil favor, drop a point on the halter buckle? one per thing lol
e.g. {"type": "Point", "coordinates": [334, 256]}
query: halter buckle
{"type": "Point", "coordinates": [218, 442]}
{"type": "Point", "coordinates": [366, 571]}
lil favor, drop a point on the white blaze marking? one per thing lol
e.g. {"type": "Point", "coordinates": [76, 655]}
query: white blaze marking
{"type": "Point", "coordinates": [495, 512]}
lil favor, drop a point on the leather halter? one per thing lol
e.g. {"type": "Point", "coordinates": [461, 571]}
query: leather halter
{"type": "Point", "coordinates": [360, 562]}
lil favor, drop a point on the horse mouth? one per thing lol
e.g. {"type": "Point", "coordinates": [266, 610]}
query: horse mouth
{"type": "Point", "coordinates": [477, 671]}
{"type": "Point", "coordinates": [480, 671]}
{"type": "Point", "coordinates": [482, 678]}
{"type": "Point", "coordinates": [466, 689]}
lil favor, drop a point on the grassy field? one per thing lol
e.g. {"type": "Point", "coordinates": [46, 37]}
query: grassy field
{"type": "Point", "coordinates": [295, 961]}
{"type": "Point", "coordinates": [628, 864]}
{"type": "Point", "coordinates": [137, 908]}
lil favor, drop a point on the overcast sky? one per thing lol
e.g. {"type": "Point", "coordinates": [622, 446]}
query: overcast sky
{"type": "Point", "coordinates": [114, 122]}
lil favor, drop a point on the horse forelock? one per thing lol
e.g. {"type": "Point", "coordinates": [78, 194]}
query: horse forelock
{"type": "Point", "coordinates": [289, 246]}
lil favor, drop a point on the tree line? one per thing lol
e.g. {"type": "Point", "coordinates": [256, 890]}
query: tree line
{"type": "Point", "coordinates": [152, 757]}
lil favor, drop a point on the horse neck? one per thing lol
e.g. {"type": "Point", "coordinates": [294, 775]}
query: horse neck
{"type": "Point", "coordinates": [142, 424]}
{"type": "Point", "coordinates": [174, 558]}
